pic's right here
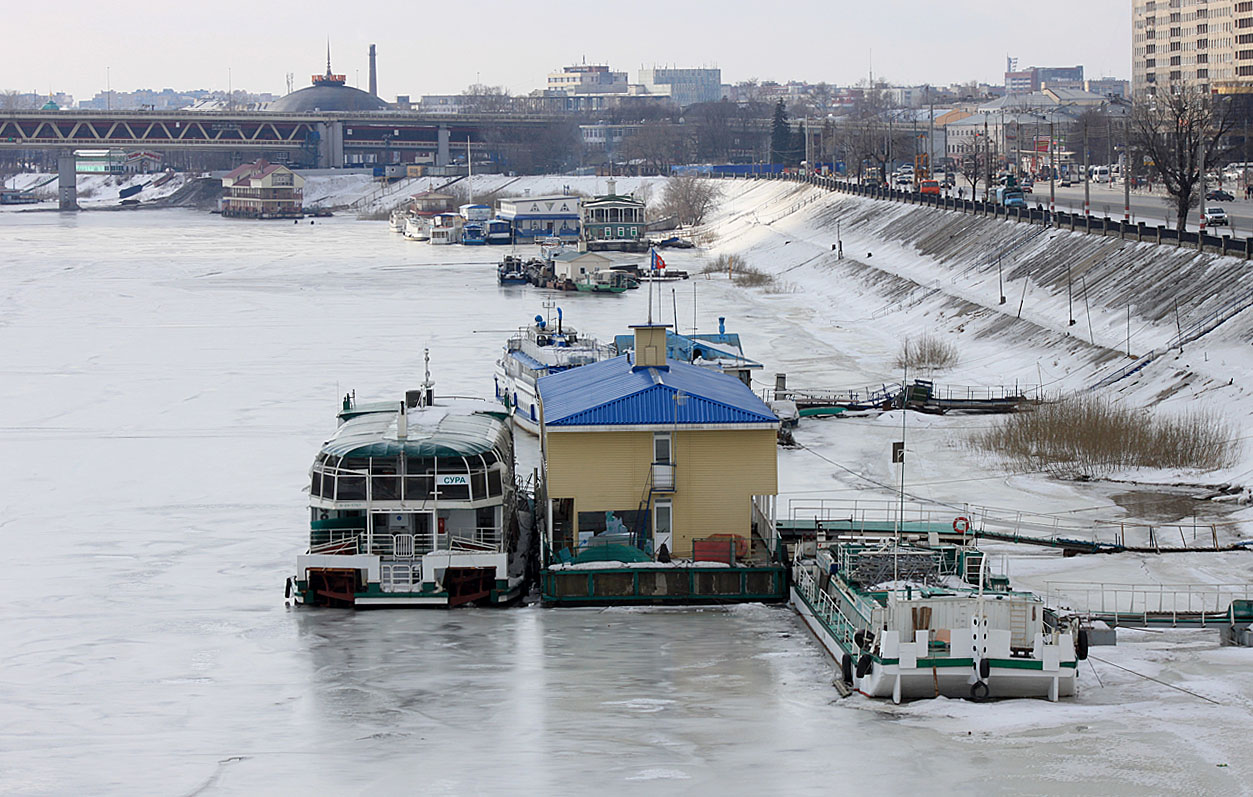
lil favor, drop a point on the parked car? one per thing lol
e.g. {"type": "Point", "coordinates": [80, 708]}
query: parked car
{"type": "Point", "coordinates": [1216, 217]}
{"type": "Point", "coordinates": [1219, 195]}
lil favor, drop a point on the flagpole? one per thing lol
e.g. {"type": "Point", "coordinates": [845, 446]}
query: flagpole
{"type": "Point", "coordinates": [651, 255]}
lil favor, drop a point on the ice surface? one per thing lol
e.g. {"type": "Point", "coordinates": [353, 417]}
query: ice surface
{"type": "Point", "coordinates": [167, 379]}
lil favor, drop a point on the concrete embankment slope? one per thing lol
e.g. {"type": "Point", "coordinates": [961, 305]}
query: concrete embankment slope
{"type": "Point", "coordinates": [909, 270]}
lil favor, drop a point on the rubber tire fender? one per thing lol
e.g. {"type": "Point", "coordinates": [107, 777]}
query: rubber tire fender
{"type": "Point", "coordinates": [846, 668]}
{"type": "Point", "coordinates": [862, 639]}
{"type": "Point", "coordinates": [1081, 645]}
{"type": "Point", "coordinates": [864, 664]}
{"type": "Point", "coordinates": [976, 687]}
{"type": "Point", "coordinates": [985, 668]}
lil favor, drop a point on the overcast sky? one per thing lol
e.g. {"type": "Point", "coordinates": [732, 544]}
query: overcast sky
{"type": "Point", "coordinates": [434, 48]}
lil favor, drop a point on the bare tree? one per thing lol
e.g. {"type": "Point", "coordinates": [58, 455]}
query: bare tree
{"type": "Point", "coordinates": [486, 99]}
{"type": "Point", "coordinates": [656, 145]}
{"type": "Point", "coordinates": [689, 198]}
{"type": "Point", "coordinates": [1182, 135]}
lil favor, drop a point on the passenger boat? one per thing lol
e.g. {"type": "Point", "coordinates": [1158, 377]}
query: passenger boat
{"type": "Point", "coordinates": [396, 221]}
{"type": "Point", "coordinates": [418, 227]}
{"type": "Point", "coordinates": [499, 232]}
{"type": "Point", "coordinates": [512, 271]}
{"type": "Point", "coordinates": [605, 280]}
{"type": "Point", "coordinates": [538, 350]}
{"type": "Point", "coordinates": [922, 622]}
{"type": "Point", "coordinates": [446, 229]}
{"type": "Point", "coordinates": [413, 504]}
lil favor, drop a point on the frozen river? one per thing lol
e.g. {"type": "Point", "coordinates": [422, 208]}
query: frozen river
{"type": "Point", "coordinates": [165, 379]}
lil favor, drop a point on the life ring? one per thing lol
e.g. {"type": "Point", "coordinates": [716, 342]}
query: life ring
{"type": "Point", "coordinates": [961, 524]}
{"type": "Point", "coordinates": [976, 688]}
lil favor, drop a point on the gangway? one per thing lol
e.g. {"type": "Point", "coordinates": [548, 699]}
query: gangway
{"type": "Point", "coordinates": [936, 523]}
{"type": "Point", "coordinates": [1154, 605]}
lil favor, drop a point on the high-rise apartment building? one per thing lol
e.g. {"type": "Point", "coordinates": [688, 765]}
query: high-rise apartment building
{"type": "Point", "coordinates": [1195, 43]}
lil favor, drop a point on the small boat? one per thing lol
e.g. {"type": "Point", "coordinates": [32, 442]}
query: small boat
{"type": "Point", "coordinates": [605, 280]}
{"type": "Point", "coordinates": [413, 503]}
{"type": "Point", "coordinates": [474, 233]}
{"type": "Point", "coordinates": [131, 190]}
{"type": "Point", "coordinates": [535, 351]}
{"type": "Point", "coordinates": [512, 271]}
{"type": "Point", "coordinates": [907, 622]}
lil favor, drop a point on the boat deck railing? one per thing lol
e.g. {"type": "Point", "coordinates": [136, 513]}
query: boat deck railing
{"type": "Point", "coordinates": [486, 539]}
{"type": "Point", "coordinates": [1148, 604]}
{"type": "Point", "coordinates": [825, 608]}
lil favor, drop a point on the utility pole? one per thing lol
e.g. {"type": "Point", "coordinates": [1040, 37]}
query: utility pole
{"type": "Point", "coordinates": [1126, 172]}
{"type": "Point", "coordinates": [1052, 177]}
{"type": "Point", "coordinates": [987, 155]}
{"type": "Point", "coordinates": [931, 132]}
{"type": "Point", "coordinates": [1087, 180]}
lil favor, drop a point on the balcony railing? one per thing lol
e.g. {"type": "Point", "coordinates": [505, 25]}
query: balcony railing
{"type": "Point", "coordinates": [663, 477]}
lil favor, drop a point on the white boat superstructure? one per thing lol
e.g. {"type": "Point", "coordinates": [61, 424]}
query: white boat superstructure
{"type": "Point", "coordinates": [396, 221]}
{"type": "Point", "coordinates": [418, 227]}
{"type": "Point", "coordinates": [535, 351]}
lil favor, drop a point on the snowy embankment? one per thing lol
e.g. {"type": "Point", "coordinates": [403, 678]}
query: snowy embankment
{"type": "Point", "coordinates": [364, 194]}
{"type": "Point", "coordinates": [98, 190]}
{"type": "Point", "coordinates": [350, 191]}
{"type": "Point", "coordinates": [910, 271]}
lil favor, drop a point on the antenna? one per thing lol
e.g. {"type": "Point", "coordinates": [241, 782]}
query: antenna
{"type": "Point", "coordinates": [328, 55]}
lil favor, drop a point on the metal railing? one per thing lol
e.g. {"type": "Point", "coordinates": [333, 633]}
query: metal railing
{"type": "Point", "coordinates": [1179, 602]}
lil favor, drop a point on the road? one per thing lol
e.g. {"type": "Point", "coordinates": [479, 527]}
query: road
{"type": "Point", "coordinates": [1152, 209]}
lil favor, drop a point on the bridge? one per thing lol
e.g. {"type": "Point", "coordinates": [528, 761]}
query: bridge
{"type": "Point", "coordinates": [317, 139]}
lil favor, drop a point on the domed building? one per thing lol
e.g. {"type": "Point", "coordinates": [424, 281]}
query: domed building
{"type": "Point", "coordinates": [328, 93]}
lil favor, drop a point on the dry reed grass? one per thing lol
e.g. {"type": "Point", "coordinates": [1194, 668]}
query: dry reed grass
{"type": "Point", "coordinates": [1088, 436]}
{"type": "Point", "coordinates": [926, 353]}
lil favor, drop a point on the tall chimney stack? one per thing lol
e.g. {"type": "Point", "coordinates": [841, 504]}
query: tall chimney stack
{"type": "Point", "coordinates": [374, 73]}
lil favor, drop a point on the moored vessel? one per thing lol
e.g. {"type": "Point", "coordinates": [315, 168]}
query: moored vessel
{"type": "Point", "coordinates": [921, 622]}
{"type": "Point", "coordinates": [537, 350]}
{"type": "Point", "coordinates": [413, 503]}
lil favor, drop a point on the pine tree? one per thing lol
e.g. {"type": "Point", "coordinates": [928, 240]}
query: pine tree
{"type": "Point", "coordinates": [780, 135]}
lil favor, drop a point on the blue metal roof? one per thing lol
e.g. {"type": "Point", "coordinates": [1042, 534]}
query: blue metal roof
{"type": "Point", "coordinates": [612, 393]}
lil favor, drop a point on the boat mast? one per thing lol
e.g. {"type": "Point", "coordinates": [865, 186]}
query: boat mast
{"type": "Point", "coordinates": [469, 171]}
{"type": "Point", "coordinates": [900, 514]}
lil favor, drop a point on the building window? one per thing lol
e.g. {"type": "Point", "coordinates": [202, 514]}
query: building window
{"type": "Point", "coordinates": [661, 448]}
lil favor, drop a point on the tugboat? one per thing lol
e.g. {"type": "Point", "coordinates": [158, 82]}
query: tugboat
{"type": "Point", "coordinates": [413, 503]}
{"type": "Point", "coordinates": [538, 350]}
{"type": "Point", "coordinates": [512, 271]}
{"type": "Point", "coordinates": [920, 622]}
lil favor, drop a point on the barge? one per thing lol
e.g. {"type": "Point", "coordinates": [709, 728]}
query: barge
{"type": "Point", "coordinates": [907, 623]}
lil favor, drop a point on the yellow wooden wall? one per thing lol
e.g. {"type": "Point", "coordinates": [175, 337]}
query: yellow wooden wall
{"type": "Point", "coordinates": [717, 473]}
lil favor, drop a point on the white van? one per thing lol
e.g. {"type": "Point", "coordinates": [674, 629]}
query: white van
{"type": "Point", "coordinates": [1099, 174]}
